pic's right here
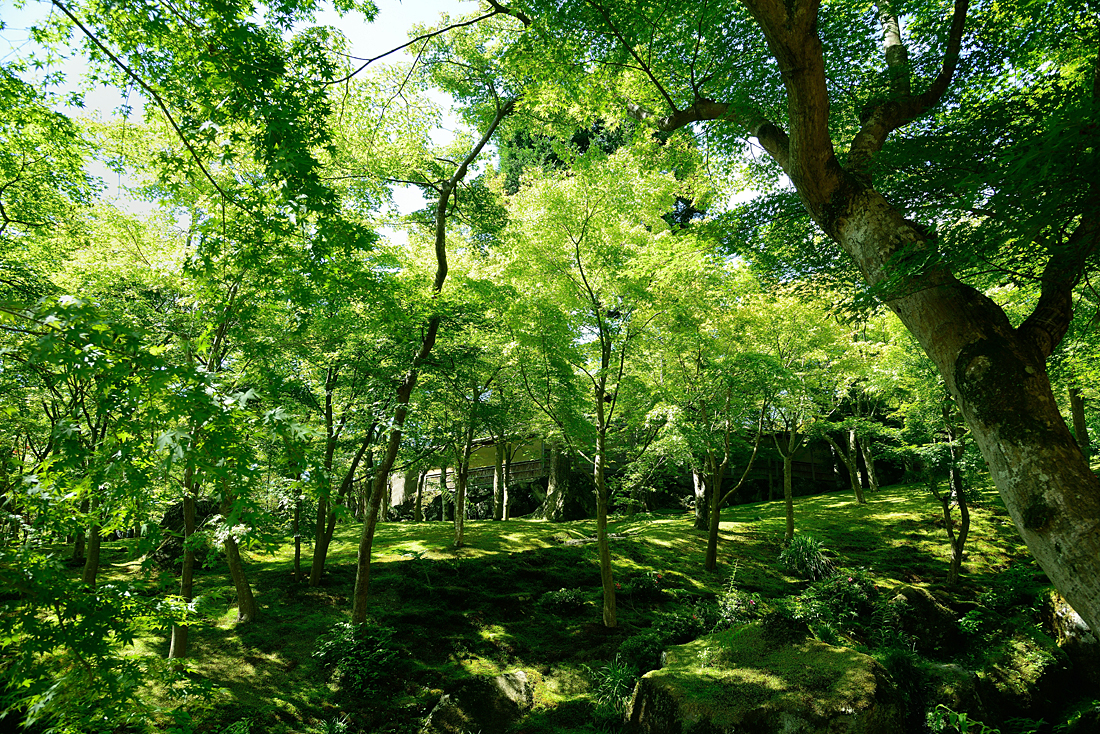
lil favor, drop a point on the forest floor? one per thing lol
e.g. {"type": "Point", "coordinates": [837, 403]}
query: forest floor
{"type": "Point", "coordinates": [497, 605]}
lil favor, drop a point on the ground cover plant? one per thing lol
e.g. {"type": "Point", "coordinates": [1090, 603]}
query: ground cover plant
{"type": "Point", "coordinates": [525, 596]}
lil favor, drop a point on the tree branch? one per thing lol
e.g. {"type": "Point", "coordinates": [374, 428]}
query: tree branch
{"type": "Point", "coordinates": [156, 98]}
{"type": "Point", "coordinates": [773, 139]}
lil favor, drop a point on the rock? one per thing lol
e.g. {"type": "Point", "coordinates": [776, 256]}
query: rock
{"type": "Point", "coordinates": [483, 704]}
{"type": "Point", "coordinates": [746, 680]}
{"type": "Point", "coordinates": [1074, 637]}
{"type": "Point", "coordinates": [1025, 675]}
{"type": "Point", "coordinates": [957, 688]}
{"type": "Point", "coordinates": [933, 626]}
{"type": "Point", "coordinates": [169, 554]}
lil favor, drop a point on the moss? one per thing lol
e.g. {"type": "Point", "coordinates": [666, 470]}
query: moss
{"type": "Point", "coordinates": [748, 672]}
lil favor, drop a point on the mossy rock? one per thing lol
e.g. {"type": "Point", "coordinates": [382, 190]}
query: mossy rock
{"type": "Point", "coordinates": [1025, 675]}
{"type": "Point", "coordinates": [746, 680]}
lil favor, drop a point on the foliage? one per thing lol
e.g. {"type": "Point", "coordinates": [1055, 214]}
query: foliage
{"type": "Point", "coordinates": [645, 586]}
{"type": "Point", "coordinates": [685, 622]}
{"type": "Point", "coordinates": [946, 720]}
{"type": "Point", "coordinates": [564, 601]}
{"type": "Point", "coordinates": [736, 607]}
{"type": "Point", "coordinates": [643, 650]}
{"type": "Point", "coordinates": [1014, 590]}
{"type": "Point", "coordinates": [363, 656]}
{"type": "Point", "coordinates": [846, 602]}
{"type": "Point", "coordinates": [68, 660]}
{"type": "Point", "coordinates": [614, 682]}
{"type": "Point", "coordinates": [806, 556]}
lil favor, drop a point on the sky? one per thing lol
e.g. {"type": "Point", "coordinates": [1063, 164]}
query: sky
{"type": "Point", "coordinates": [366, 40]}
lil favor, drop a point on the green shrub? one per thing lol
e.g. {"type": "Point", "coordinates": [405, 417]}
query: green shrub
{"type": "Point", "coordinates": [685, 623]}
{"type": "Point", "coordinates": [613, 683]}
{"type": "Point", "coordinates": [363, 656]}
{"type": "Point", "coordinates": [1012, 590]}
{"type": "Point", "coordinates": [974, 623]}
{"type": "Point", "coordinates": [737, 607]}
{"type": "Point", "coordinates": [847, 602]}
{"type": "Point", "coordinates": [563, 601]}
{"type": "Point", "coordinates": [807, 557]}
{"type": "Point", "coordinates": [645, 587]}
{"type": "Point", "coordinates": [643, 651]}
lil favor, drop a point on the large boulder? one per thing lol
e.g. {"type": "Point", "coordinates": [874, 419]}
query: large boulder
{"type": "Point", "coordinates": [482, 704]}
{"type": "Point", "coordinates": [753, 680]}
{"type": "Point", "coordinates": [1026, 675]}
{"type": "Point", "coordinates": [169, 554]}
{"type": "Point", "coordinates": [932, 625]}
{"type": "Point", "coordinates": [1074, 637]}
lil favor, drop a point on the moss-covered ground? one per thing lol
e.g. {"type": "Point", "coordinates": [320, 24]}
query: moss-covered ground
{"type": "Point", "coordinates": [477, 610]}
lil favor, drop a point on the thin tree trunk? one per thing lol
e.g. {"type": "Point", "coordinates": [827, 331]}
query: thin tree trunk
{"type": "Point", "coordinates": [177, 647]}
{"type": "Point", "coordinates": [506, 515]}
{"type": "Point", "coordinates": [78, 543]}
{"type": "Point", "coordinates": [869, 463]}
{"type": "Point", "coordinates": [418, 511]}
{"type": "Point", "coordinates": [606, 578]}
{"type": "Point", "coordinates": [91, 563]}
{"type": "Point", "coordinates": [328, 527]}
{"type": "Point", "coordinates": [715, 477]}
{"type": "Point", "coordinates": [793, 441]}
{"type": "Point", "coordinates": [444, 505]}
{"type": "Point", "coordinates": [958, 492]}
{"type": "Point", "coordinates": [1080, 427]}
{"type": "Point", "coordinates": [404, 391]}
{"type": "Point", "coordinates": [788, 494]}
{"type": "Point", "coordinates": [849, 461]}
{"type": "Point", "coordinates": [247, 611]}
{"type": "Point", "coordinates": [498, 481]}
{"type": "Point", "coordinates": [298, 536]}
{"type": "Point", "coordinates": [702, 499]}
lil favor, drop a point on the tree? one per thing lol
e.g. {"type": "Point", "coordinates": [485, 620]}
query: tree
{"type": "Point", "coordinates": [775, 72]}
{"type": "Point", "coordinates": [592, 240]}
{"type": "Point", "coordinates": [446, 188]}
{"type": "Point", "coordinates": [807, 347]}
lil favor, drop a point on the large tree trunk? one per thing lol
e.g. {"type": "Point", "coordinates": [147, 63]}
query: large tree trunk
{"type": "Point", "coordinates": [557, 485]}
{"type": "Point", "coordinates": [996, 372]}
{"type": "Point", "coordinates": [177, 647]}
{"type": "Point", "coordinates": [702, 500]}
